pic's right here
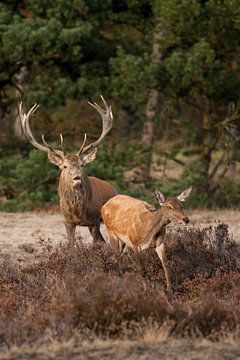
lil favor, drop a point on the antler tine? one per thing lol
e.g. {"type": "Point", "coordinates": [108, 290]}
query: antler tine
{"type": "Point", "coordinates": [104, 101]}
{"type": "Point", "coordinates": [107, 121]}
{"type": "Point", "coordinates": [46, 144]}
{"type": "Point", "coordinates": [84, 141]}
{"type": "Point", "coordinates": [27, 117]}
{"type": "Point", "coordinates": [24, 118]}
{"type": "Point", "coordinates": [107, 110]}
{"type": "Point", "coordinates": [61, 142]}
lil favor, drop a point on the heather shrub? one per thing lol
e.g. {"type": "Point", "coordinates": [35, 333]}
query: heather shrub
{"type": "Point", "coordinates": [94, 292]}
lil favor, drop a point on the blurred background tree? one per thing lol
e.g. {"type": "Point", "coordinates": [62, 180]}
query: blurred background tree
{"type": "Point", "coordinates": [170, 69]}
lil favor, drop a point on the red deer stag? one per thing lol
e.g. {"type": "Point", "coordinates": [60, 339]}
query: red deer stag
{"type": "Point", "coordinates": [138, 225]}
{"type": "Point", "coordinates": [81, 196]}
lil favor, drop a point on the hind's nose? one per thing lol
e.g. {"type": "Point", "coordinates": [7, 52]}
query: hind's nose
{"type": "Point", "coordinates": [186, 220]}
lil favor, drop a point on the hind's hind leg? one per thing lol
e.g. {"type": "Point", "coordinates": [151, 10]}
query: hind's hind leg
{"type": "Point", "coordinates": [114, 242]}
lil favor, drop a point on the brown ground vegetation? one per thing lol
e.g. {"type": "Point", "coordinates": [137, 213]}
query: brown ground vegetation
{"type": "Point", "coordinates": [92, 292]}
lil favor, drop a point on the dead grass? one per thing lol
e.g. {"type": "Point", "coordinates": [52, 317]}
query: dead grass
{"type": "Point", "coordinates": [75, 349]}
{"type": "Point", "coordinates": [94, 293]}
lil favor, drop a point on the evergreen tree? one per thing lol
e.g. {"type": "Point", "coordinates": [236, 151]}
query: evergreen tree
{"type": "Point", "coordinates": [199, 68]}
{"type": "Point", "coordinates": [61, 45]}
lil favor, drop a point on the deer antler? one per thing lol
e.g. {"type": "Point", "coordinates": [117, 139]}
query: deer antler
{"type": "Point", "coordinates": [24, 118]}
{"type": "Point", "coordinates": [107, 121]}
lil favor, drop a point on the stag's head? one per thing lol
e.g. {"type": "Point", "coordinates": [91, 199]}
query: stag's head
{"type": "Point", "coordinates": [72, 166]}
{"type": "Point", "coordinates": [172, 208]}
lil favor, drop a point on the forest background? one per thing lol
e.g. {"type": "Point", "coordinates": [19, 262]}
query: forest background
{"type": "Point", "coordinates": [170, 69]}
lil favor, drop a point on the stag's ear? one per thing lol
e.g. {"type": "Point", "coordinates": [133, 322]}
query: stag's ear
{"type": "Point", "coordinates": [159, 196]}
{"type": "Point", "coordinates": [89, 157]}
{"type": "Point", "coordinates": [185, 194]}
{"type": "Point", "coordinates": [55, 158]}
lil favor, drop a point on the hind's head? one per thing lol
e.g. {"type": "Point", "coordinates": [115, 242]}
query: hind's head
{"type": "Point", "coordinates": [173, 210]}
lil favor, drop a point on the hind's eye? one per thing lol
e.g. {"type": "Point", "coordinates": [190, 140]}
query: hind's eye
{"type": "Point", "coordinates": [64, 166]}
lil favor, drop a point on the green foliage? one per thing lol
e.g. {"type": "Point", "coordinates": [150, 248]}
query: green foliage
{"type": "Point", "coordinates": [107, 165]}
{"type": "Point", "coordinates": [110, 164]}
{"type": "Point", "coordinates": [227, 193]}
{"type": "Point", "coordinates": [198, 70]}
{"type": "Point", "coordinates": [130, 74]}
{"type": "Point", "coordinates": [205, 42]}
{"type": "Point", "coordinates": [27, 183]}
{"type": "Point", "coordinates": [60, 46]}
{"type": "Point", "coordinates": [31, 182]}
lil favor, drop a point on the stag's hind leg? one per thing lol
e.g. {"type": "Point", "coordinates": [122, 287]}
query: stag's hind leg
{"type": "Point", "coordinates": [96, 234]}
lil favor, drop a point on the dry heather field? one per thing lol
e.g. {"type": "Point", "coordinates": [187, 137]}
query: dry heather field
{"type": "Point", "coordinates": [63, 302]}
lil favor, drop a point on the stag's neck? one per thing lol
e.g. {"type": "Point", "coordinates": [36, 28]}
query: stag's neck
{"type": "Point", "coordinates": [71, 196]}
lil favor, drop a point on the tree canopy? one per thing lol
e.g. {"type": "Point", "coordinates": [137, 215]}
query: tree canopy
{"type": "Point", "coordinates": [171, 66]}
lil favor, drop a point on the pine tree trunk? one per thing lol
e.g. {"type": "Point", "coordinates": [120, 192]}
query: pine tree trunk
{"type": "Point", "coordinates": [152, 109]}
{"type": "Point", "coordinates": [207, 146]}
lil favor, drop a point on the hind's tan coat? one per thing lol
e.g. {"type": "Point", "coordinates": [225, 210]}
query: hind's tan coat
{"type": "Point", "coordinates": [138, 225]}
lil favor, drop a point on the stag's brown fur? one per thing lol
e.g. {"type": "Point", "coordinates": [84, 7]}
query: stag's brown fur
{"type": "Point", "coordinates": [81, 201]}
{"type": "Point", "coordinates": [81, 197]}
{"type": "Point", "coordinates": [138, 225]}
{"type": "Point", "coordinates": [72, 201]}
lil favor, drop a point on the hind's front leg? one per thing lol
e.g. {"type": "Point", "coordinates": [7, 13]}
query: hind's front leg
{"type": "Point", "coordinates": [160, 249]}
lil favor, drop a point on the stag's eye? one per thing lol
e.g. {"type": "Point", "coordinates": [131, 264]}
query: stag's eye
{"type": "Point", "coordinates": [64, 166]}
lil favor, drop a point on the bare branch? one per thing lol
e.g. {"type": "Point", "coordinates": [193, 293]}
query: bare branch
{"type": "Point", "coordinates": [216, 167]}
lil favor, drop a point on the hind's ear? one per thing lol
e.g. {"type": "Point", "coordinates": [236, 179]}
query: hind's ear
{"type": "Point", "coordinates": [185, 194]}
{"type": "Point", "coordinates": [159, 196]}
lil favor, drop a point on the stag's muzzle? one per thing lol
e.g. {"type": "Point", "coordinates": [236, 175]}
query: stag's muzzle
{"type": "Point", "coordinates": [77, 179]}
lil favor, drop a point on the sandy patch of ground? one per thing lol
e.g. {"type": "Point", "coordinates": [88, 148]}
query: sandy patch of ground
{"type": "Point", "coordinates": [30, 228]}
{"type": "Point", "coordinates": [119, 350]}
{"type": "Point", "coordinates": [17, 229]}
{"type": "Point", "coordinates": [207, 217]}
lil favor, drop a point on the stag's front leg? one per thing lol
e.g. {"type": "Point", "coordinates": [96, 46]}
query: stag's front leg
{"type": "Point", "coordinates": [70, 230]}
{"type": "Point", "coordinates": [160, 249]}
{"type": "Point", "coordinates": [96, 234]}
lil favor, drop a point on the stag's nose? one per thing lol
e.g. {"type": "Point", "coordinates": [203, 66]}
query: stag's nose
{"type": "Point", "coordinates": [77, 178]}
{"type": "Point", "coordinates": [186, 220]}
